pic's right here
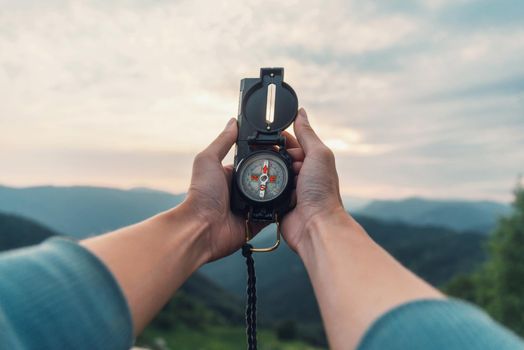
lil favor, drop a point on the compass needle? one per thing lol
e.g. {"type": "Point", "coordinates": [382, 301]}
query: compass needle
{"type": "Point", "coordinates": [263, 179]}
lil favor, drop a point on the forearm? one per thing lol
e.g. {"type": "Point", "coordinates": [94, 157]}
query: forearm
{"type": "Point", "coordinates": [355, 280]}
{"type": "Point", "coordinates": [151, 260]}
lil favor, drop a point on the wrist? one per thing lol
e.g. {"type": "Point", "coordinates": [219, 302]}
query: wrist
{"type": "Point", "coordinates": [326, 228]}
{"type": "Point", "coordinates": [189, 232]}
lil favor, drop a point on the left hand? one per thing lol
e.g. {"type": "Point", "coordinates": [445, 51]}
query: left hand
{"type": "Point", "coordinates": [208, 196]}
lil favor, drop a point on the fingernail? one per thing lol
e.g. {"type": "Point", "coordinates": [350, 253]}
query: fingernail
{"type": "Point", "coordinates": [230, 122]}
{"type": "Point", "coordinates": [302, 113]}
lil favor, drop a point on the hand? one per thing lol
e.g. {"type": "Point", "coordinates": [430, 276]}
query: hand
{"type": "Point", "coordinates": [317, 189]}
{"type": "Point", "coordinates": [342, 261]}
{"type": "Point", "coordinates": [208, 196]}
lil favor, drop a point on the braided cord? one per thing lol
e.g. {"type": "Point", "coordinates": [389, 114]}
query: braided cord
{"type": "Point", "coordinates": [251, 305]}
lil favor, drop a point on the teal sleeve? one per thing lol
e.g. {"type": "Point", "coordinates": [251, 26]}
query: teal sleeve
{"type": "Point", "coordinates": [58, 295]}
{"type": "Point", "coordinates": [438, 324]}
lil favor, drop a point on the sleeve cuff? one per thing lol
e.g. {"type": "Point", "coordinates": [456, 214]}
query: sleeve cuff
{"type": "Point", "coordinates": [68, 298]}
{"type": "Point", "coordinates": [438, 324]}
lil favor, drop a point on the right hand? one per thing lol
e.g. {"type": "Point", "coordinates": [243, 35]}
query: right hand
{"type": "Point", "coordinates": [317, 188]}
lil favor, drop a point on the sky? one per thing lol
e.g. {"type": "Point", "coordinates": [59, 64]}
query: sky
{"type": "Point", "coordinates": [416, 98]}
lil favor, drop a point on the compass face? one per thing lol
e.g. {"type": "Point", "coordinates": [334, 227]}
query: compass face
{"type": "Point", "coordinates": [262, 177]}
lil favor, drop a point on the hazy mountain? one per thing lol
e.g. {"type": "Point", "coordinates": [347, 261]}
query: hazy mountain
{"type": "Point", "coordinates": [354, 204]}
{"type": "Point", "coordinates": [17, 232]}
{"type": "Point", "coordinates": [459, 215]}
{"type": "Point", "coordinates": [82, 211]}
{"type": "Point", "coordinates": [284, 291]}
{"type": "Point", "coordinates": [199, 306]}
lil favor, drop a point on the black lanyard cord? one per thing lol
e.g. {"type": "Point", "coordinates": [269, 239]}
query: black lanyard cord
{"type": "Point", "coordinates": [251, 305]}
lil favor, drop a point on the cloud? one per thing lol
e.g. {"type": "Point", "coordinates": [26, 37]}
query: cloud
{"type": "Point", "coordinates": [510, 86]}
{"type": "Point", "coordinates": [423, 90]}
{"type": "Point", "coordinates": [474, 15]}
{"type": "Point", "coordinates": [122, 169]}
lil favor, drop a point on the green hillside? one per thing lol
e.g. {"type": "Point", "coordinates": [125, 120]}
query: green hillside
{"type": "Point", "coordinates": [436, 254]}
{"type": "Point", "coordinates": [17, 232]}
{"type": "Point", "coordinates": [214, 303]}
{"type": "Point", "coordinates": [204, 316]}
{"type": "Point", "coordinates": [217, 338]}
{"type": "Point", "coordinates": [197, 292]}
{"type": "Point", "coordinates": [200, 315]}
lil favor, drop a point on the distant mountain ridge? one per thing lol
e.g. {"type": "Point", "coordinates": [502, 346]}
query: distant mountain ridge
{"type": "Point", "coordinates": [434, 252]}
{"type": "Point", "coordinates": [461, 215]}
{"type": "Point", "coordinates": [83, 211]}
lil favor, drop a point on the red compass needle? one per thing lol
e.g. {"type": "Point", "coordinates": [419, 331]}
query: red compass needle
{"type": "Point", "coordinates": [263, 179]}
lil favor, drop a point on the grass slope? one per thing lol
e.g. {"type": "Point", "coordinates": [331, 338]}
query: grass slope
{"type": "Point", "coordinates": [216, 338]}
{"type": "Point", "coordinates": [436, 254]}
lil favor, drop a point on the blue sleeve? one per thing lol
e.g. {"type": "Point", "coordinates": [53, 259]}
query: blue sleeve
{"type": "Point", "coordinates": [438, 324]}
{"type": "Point", "coordinates": [58, 295]}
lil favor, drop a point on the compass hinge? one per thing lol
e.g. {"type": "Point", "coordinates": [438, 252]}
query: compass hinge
{"type": "Point", "coordinates": [266, 139]}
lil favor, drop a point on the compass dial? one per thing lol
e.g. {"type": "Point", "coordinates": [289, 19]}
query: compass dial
{"type": "Point", "coordinates": [262, 177]}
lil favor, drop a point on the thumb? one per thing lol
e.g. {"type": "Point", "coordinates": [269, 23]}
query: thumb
{"type": "Point", "coordinates": [306, 136]}
{"type": "Point", "coordinates": [222, 144]}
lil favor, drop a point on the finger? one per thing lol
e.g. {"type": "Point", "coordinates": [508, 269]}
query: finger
{"type": "Point", "coordinates": [222, 144]}
{"type": "Point", "coordinates": [297, 154]}
{"type": "Point", "coordinates": [306, 136]}
{"type": "Point", "coordinates": [297, 166]}
{"type": "Point", "coordinates": [293, 199]}
{"type": "Point", "coordinates": [291, 141]}
{"type": "Point", "coordinates": [228, 170]}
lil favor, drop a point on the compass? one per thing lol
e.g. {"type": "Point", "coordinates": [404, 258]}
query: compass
{"type": "Point", "coordinates": [263, 175]}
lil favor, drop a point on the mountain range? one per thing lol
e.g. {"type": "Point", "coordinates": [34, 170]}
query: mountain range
{"type": "Point", "coordinates": [460, 215]}
{"type": "Point", "coordinates": [197, 293]}
{"type": "Point", "coordinates": [435, 252]}
{"type": "Point", "coordinates": [200, 307]}
{"type": "Point", "coordinates": [82, 211]}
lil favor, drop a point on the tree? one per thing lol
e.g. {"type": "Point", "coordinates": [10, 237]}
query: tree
{"type": "Point", "coordinates": [287, 330]}
{"type": "Point", "coordinates": [500, 284]}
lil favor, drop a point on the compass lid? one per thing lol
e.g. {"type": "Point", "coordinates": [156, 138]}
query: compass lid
{"type": "Point", "coordinates": [271, 104]}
